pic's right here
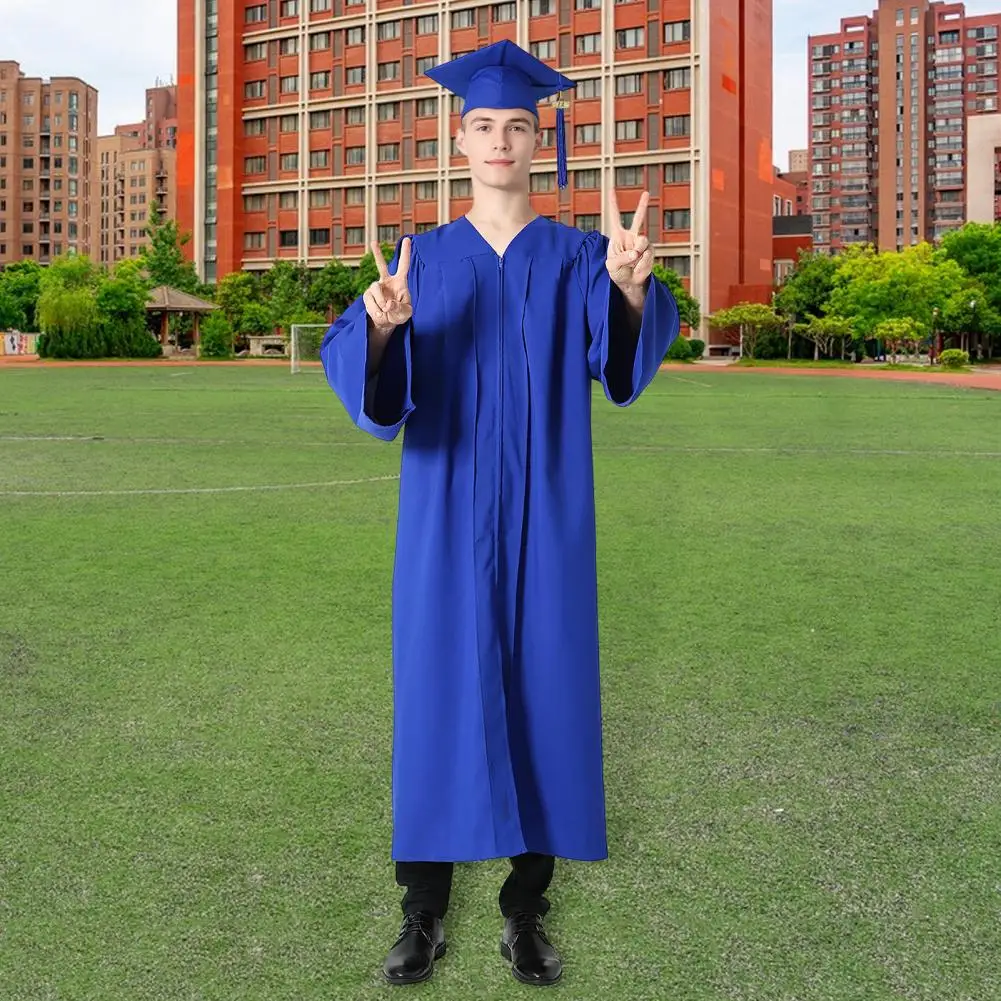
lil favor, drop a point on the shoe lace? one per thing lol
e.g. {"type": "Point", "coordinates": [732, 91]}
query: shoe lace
{"type": "Point", "coordinates": [527, 922]}
{"type": "Point", "coordinates": [417, 921]}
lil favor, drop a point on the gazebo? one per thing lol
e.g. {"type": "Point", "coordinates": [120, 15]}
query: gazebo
{"type": "Point", "coordinates": [165, 299]}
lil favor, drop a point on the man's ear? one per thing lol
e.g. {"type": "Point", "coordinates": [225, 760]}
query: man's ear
{"type": "Point", "coordinates": [460, 136]}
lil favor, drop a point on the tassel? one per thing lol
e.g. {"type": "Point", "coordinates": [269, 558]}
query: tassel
{"type": "Point", "coordinates": [561, 142]}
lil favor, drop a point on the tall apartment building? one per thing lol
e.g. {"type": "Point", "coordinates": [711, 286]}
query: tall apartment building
{"type": "Point", "coordinates": [130, 180]}
{"type": "Point", "coordinates": [308, 127]}
{"type": "Point", "coordinates": [48, 135]}
{"type": "Point", "coordinates": [136, 167]}
{"type": "Point", "coordinates": [904, 124]}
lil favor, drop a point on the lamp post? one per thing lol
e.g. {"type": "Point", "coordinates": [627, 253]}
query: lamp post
{"type": "Point", "coordinates": [936, 346]}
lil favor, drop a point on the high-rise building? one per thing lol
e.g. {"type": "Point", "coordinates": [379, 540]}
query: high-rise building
{"type": "Point", "coordinates": [308, 128]}
{"type": "Point", "coordinates": [799, 161]}
{"type": "Point", "coordinates": [136, 168]}
{"type": "Point", "coordinates": [131, 180]}
{"type": "Point", "coordinates": [904, 124]}
{"type": "Point", "coordinates": [48, 135]}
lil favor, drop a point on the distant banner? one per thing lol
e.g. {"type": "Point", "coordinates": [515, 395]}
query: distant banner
{"type": "Point", "coordinates": [14, 343]}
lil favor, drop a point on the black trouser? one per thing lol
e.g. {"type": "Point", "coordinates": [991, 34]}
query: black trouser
{"type": "Point", "coordinates": [428, 885]}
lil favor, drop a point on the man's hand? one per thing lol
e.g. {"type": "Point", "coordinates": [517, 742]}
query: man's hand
{"type": "Point", "coordinates": [630, 256]}
{"type": "Point", "coordinates": [387, 300]}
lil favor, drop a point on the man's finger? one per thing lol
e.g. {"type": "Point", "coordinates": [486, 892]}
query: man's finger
{"type": "Point", "coordinates": [378, 295]}
{"type": "Point", "coordinates": [639, 216]}
{"type": "Point", "coordinates": [380, 261]}
{"type": "Point", "coordinates": [403, 266]}
{"type": "Point", "coordinates": [613, 210]}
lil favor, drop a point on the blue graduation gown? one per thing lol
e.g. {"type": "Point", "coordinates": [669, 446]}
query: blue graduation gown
{"type": "Point", "coordinates": [497, 717]}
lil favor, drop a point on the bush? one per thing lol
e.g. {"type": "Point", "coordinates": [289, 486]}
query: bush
{"type": "Point", "coordinates": [102, 338]}
{"type": "Point", "coordinates": [697, 347]}
{"type": "Point", "coordinates": [680, 350]}
{"type": "Point", "coordinates": [216, 337]}
{"type": "Point", "coordinates": [954, 358]}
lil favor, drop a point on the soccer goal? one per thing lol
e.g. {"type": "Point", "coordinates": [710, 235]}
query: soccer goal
{"type": "Point", "coordinates": [304, 346]}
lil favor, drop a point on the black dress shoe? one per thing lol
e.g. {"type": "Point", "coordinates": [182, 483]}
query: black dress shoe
{"type": "Point", "coordinates": [420, 943]}
{"type": "Point", "coordinates": [532, 956]}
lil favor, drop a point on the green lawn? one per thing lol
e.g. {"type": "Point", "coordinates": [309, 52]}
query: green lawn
{"type": "Point", "coordinates": [802, 680]}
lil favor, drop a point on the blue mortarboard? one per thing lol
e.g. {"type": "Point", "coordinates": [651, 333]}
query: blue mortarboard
{"type": "Point", "coordinates": [504, 75]}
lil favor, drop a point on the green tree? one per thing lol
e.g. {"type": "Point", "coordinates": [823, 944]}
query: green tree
{"type": "Point", "coordinates": [11, 312]}
{"type": "Point", "coordinates": [164, 261]}
{"type": "Point", "coordinates": [976, 247]}
{"type": "Point", "coordinates": [750, 320]}
{"type": "Point", "coordinates": [823, 331]}
{"type": "Point", "coordinates": [807, 289]}
{"type": "Point", "coordinates": [872, 286]}
{"type": "Point", "coordinates": [900, 334]}
{"type": "Point", "coordinates": [332, 289]}
{"type": "Point", "coordinates": [20, 282]}
{"type": "Point", "coordinates": [285, 286]}
{"type": "Point", "coordinates": [235, 293]}
{"type": "Point", "coordinates": [688, 305]}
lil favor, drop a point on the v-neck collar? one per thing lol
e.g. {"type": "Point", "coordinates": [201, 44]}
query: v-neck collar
{"type": "Point", "coordinates": [514, 239]}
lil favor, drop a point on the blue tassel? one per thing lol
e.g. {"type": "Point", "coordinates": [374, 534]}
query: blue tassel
{"type": "Point", "coordinates": [561, 146]}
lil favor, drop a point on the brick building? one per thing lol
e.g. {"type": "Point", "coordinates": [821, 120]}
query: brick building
{"type": "Point", "coordinates": [308, 127]}
{"type": "Point", "coordinates": [135, 167]}
{"type": "Point", "coordinates": [904, 124]}
{"type": "Point", "coordinates": [48, 136]}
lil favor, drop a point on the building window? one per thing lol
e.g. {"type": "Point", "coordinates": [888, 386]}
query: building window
{"type": "Point", "coordinates": [259, 12]}
{"type": "Point", "coordinates": [426, 191]}
{"type": "Point", "coordinates": [253, 203]}
{"type": "Point", "coordinates": [319, 198]}
{"type": "Point", "coordinates": [588, 44]}
{"type": "Point", "coordinates": [628, 177]}
{"type": "Point", "coordinates": [289, 46]}
{"type": "Point", "coordinates": [387, 193]}
{"type": "Point", "coordinates": [587, 223]}
{"type": "Point", "coordinates": [675, 219]}
{"type": "Point", "coordinates": [319, 120]}
{"type": "Point", "coordinates": [680, 264]}
{"type": "Point", "coordinates": [354, 235]}
{"type": "Point", "coordinates": [354, 155]}
{"type": "Point", "coordinates": [629, 38]}
{"type": "Point", "coordinates": [588, 89]}
{"type": "Point", "coordinates": [290, 8]}
{"type": "Point", "coordinates": [319, 41]}
{"type": "Point", "coordinates": [288, 123]}
{"type": "Point", "coordinates": [319, 158]}
{"type": "Point", "coordinates": [425, 63]}
{"type": "Point", "coordinates": [354, 75]}
{"type": "Point", "coordinates": [586, 180]}
{"type": "Point", "coordinates": [288, 238]}
{"type": "Point", "coordinates": [319, 6]}
{"type": "Point", "coordinates": [388, 152]}
{"type": "Point", "coordinates": [504, 12]}
{"type": "Point", "coordinates": [255, 164]}
{"type": "Point", "coordinates": [544, 50]}
{"type": "Point", "coordinates": [388, 234]}
{"type": "Point", "coordinates": [677, 125]}
{"type": "Point", "coordinates": [629, 83]}
{"type": "Point", "coordinates": [677, 31]}
{"type": "Point", "coordinates": [427, 107]}
{"type": "Point", "coordinates": [629, 130]}
{"type": "Point", "coordinates": [427, 148]}
{"type": "Point", "coordinates": [588, 133]}
{"type": "Point", "coordinates": [253, 89]}
{"type": "Point", "coordinates": [354, 36]}
{"type": "Point", "coordinates": [253, 127]}
{"type": "Point", "coordinates": [319, 80]}
{"type": "Point", "coordinates": [253, 241]}
{"type": "Point", "coordinates": [289, 161]}
{"type": "Point", "coordinates": [354, 196]}
{"type": "Point", "coordinates": [389, 71]}
{"type": "Point", "coordinates": [540, 8]}
{"type": "Point", "coordinates": [463, 18]}
{"type": "Point", "coordinates": [680, 79]}
{"type": "Point", "coordinates": [461, 188]}
{"type": "Point", "coordinates": [388, 29]}
{"type": "Point", "coordinates": [427, 25]}
{"type": "Point", "coordinates": [252, 53]}
{"type": "Point", "coordinates": [288, 200]}
{"type": "Point", "coordinates": [319, 237]}
{"type": "Point", "coordinates": [389, 112]}
{"type": "Point", "coordinates": [290, 84]}
{"type": "Point", "coordinates": [355, 115]}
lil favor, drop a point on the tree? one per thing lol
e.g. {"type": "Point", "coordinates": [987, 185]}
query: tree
{"type": "Point", "coordinates": [976, 247]}
{"type": "Point", "coordinates": [285, 286]}
{"type": "Point", "coordinates": [807, 289]}
{"type": "Point", "coordinates": [900, 334]}
{"type": "Point", "coordinates": [871, 287]}
{"type": "Point", "coordinates": [20, 284]}
{"type": "Point", "coordinates": [688, 305]}
{"type": "Point", "coordinates": [11, 313]}
{"type": "Point", "coordinates": [332, 289]}
{"type": "Point", "coordinates": [823, 331]}
{"type": "Point", "coordinates": [235, 293]}
{"type": "Point", "coordinates": [751, 319]}
{"type": "Point", "coordinates": [164, 261]}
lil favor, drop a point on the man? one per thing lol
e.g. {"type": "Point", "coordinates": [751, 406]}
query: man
{"type": "Point", "coordinates": [483, 339]}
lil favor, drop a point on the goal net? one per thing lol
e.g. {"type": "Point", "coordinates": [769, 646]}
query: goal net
{"type": "Point", "coordinates": [304, 346]}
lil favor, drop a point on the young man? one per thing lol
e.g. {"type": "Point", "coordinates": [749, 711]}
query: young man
{"type": "Point", "coordinates": [483, 339]}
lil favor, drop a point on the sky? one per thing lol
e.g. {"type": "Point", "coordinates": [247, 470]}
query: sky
{"type": "Point", "coordinates": [124, 46]}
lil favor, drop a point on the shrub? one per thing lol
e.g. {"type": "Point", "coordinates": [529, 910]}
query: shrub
{"type": "Point", "coordinates": [697, 347]}
{"type": "Point", "coordinates": [954, 358]}
{"type": "Point", "coordinates": [215, 336]}
{"type": "Point", "coordinates": [680, 350]}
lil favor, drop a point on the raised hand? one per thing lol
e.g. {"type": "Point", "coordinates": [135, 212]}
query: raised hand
{"type": "Point", "coordinates": [630, 256]}
{"type": "Point", "coordinates": [387, 300]}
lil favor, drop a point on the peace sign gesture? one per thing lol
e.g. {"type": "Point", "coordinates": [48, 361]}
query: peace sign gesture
{"type": "Point", "coordinates": [387, 300]}
{"type": "Point", "coordinates": [630, 257]}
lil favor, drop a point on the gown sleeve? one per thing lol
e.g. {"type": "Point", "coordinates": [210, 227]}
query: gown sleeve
{"type": "Point", "coordinates": [380, 405]}
{"type": "Point", "coordinates": [622, 361]}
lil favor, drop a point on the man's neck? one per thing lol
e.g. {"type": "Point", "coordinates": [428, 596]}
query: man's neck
{"type": "Point", "coordinates": [502, 211]}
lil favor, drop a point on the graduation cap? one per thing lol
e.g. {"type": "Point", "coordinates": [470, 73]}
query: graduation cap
{"type": "Point", "coordinates": [504, 75]}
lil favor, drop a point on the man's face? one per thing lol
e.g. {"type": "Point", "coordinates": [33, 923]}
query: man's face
{"type": "Point", "coordinates": [500, 146]}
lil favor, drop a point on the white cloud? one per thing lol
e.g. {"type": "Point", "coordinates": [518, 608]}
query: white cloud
{"type": "Point", "coordinates": [120, 47]}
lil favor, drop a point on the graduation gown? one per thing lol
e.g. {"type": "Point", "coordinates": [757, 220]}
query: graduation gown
{"type": "Point", "coordinates": [497, 742]}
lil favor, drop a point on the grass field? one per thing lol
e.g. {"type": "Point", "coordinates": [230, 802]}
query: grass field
{"type": "Point", "coordinates": [802, 680]}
